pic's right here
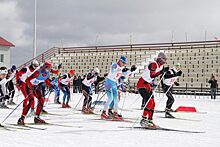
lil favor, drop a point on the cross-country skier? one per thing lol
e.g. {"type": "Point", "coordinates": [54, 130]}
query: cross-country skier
{"type": "Point", "coordinates": [4, 94]}
{"type": "Point", "coordinates": [56, 90]}
{"type": "Point", "coordinates": [21, 77]}
{"type": "Point", "coordinates": [44, 86]}
{"type": "Point", "coordinates": [121, 88]}
{"type": "Point", "coordinates": [64, 86]}
{"type": "Point", "coordinates": [170, 78]}
{"type": "Point", "coordinates": [34, 84]}
{"type": "Point", "coordinates": [151, 71]}
{"type": "Point", "coordinates": [10, 85]}
{"type": "Point", "coordinates": [90, 78]}
{"type": "Point", "coordinates": [111, 85]}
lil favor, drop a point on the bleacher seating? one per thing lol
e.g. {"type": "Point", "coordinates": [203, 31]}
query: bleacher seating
{"type": "Point", "coordinates": [198, 59]}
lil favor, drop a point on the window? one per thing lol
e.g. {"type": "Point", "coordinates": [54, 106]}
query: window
{"type": "Point", "coordinates": [1, 57]}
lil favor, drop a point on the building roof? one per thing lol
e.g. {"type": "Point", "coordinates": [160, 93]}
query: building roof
{"type": "Point", "coordinates": [4, 42]}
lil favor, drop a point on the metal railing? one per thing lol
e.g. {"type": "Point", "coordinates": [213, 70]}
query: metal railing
{"type": "Point", "coordinates": [42, 57]}
{"type": "Point", "coordinates": [139, 47]}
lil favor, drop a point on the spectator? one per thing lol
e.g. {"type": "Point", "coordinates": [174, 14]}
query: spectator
{"type": "Point", "coordinates": [214, 86]}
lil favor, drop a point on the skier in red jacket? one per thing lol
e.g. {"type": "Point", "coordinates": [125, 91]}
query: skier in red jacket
{"type": "Point", "coordinates": [34, 84]}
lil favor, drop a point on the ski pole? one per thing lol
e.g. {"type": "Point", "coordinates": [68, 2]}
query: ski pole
{"type": "Point", "coordinates": [99, 100]}
{"type": "Point", "coordinates": [165, 94]}
{"type": "Point", "coordinates": [97, 96]}
{"type": "Point", "coordinates": [17, 96]}
{"type": "Point", "coordinates": [78, 102]}
{"type": "Point", "coordinates": [134, 101]}
{"type": "Point", "coordinates": [50, 91]}
{"type": "Point", "coordinates": [123, 103]}
{"type": "Point", "coordinates": [11, 112]}
{"type": "Point", "coordinates": [14, 109]}
{"type": "Point", "coordinates": [149, 98]}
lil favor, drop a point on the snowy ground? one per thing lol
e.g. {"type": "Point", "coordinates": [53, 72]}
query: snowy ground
{"type": "Point", "coordinates": [85, 130]}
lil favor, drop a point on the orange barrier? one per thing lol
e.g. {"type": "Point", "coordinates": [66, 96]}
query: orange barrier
{"type": "Point", "coordinates": [186, 109]}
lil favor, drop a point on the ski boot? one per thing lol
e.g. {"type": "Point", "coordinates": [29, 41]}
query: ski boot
{"type": "Point", "coordinates": [84, 110]}
{"type": "Point", "coordinates": [168, 115]}
{"type": "Point", "coordinates": [57, 102]}
{"type": "Point", "coordinates": [21, 121]}
{"type": "Point", "coordinates": [104, 115]}
{"type": "Point", "coordinates": [117, 117]}
{"type": "Point", "coordinates": [110, 113]}
{"type": "Point", "coordinates": [68, 106]}
{"type": "Point", "coordinates": [3, 106]}
{"type": "Point", "coordinates": [44, 112]}
{"type": "Point", "coordinates": [38, 120]}
{"type": "Point", "coordinates": [64, 105]}
{"type": "Point", "coordinates": [147, 123]}
{"type": "Point", "coordinates": [11, 102]}
{"type": "Point", "coordinates": [169, 110]}
{"type": "Point", "coordinates": [90, 111]}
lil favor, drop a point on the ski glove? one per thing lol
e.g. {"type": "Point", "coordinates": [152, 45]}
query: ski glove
{"type": "Point", "coordinates": [125, 69]}
{"type": "Point", "coordinates": [60, 66]}
{"type": "Point", "coordinates": [165, 69]}
{"type": "Point", "coordinates": [7, 97]}
{"type": "Point", "coordinates": [179, 73]}
{"type": "Point", "coordinates": [177, 84]}
{"type": "Point", "coordinates": [133, 68]}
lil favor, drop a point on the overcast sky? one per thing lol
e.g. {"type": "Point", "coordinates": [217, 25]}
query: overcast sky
{"type": "Point", "coordinates": [79, 22]}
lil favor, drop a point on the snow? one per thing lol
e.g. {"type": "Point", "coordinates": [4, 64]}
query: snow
{"type": "Point", "coordinates": [85, 130]}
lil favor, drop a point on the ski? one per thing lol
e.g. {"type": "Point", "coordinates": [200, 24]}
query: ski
{"type": "Point", "coordinates": [164, 129]}
{"type": "Point", "coordinates": [123, 109]}
{"type": "Point", "coordinates": [123, 120]}
{"type": "Point", "coordinates": [162, 111]}
{"type": "Point", "coordinates": [93, 113]}
{"type": "Point", "coordinates": [53, 114]}
{"type": "Point", "coordinates": [27, 126]}
{"type": "Point", "coordinates": [178, 118]}
{"type": "Point", "coordinates": [6, 128]}
{"type": "Point", "coordinates": [50, 124]}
